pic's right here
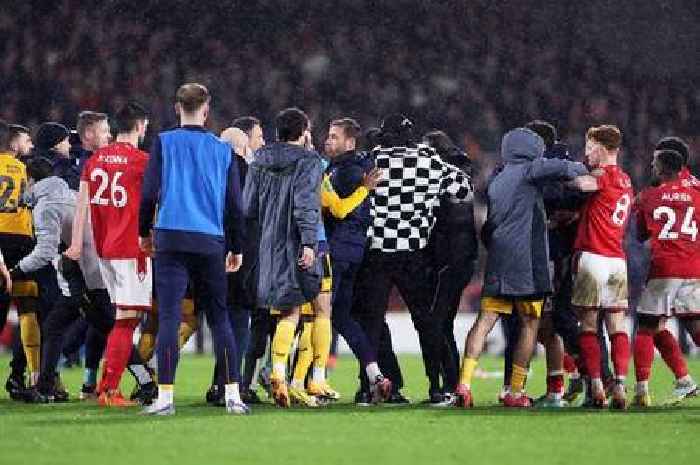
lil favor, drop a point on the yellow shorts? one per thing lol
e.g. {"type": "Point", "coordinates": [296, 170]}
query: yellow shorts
{"type": "Point", "coordinates": [306, 309]}
{"type": "Point", "coordinates": [326, 286]}
{"type": "Point", "coordinates": [14, 248]}
{"type": "Point", "coordinates": [25, 289]}
{"type": "Point", "coordinates": [327, 281]}
{"type": "Point", "coordinates": [531, 307]}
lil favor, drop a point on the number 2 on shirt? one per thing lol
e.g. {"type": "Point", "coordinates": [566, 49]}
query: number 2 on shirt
{"type": "Point", "coordinates": [689, 226]}
{"type": "Point", "coordinates": [117, 197]}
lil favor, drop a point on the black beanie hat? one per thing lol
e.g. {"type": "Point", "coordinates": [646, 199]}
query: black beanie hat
{"type": "Point", "coordinates": [50, 134]}
{"type": "Point", "coordinates": [396, 124]}
{"type": "Point", "coordinates": [396, 130]}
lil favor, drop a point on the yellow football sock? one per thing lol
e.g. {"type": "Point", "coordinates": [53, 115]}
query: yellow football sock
{"type": "Point", "coordinates": [147, 341]}
{"type": "Point", "coordinates": [517, 379]}
{"type": "Point", "coordinates": [467, 372]}
{"type": "Point", "coordinates": [322, 336]}
{"type": "Point", "coordinates": [281, 343]}
{"type": "Point", "coordinates": [305, 353]}
{"type": "Point", "coordinates": [189, 323]}
{"type": "Point", "coordinates": [146, 346]}
{"type": "Point", "coordinates": [30, 334]}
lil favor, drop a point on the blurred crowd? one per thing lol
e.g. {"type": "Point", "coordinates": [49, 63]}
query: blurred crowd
{"type": "Point", "coordinates": [471, 68]}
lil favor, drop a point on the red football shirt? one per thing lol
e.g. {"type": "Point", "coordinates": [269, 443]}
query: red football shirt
{"type": "Point", "coordinates": [668, 215]}
{"type": "Point", "coordinates": [689, 180]}
{"type": "Point", "coordinates": [605, 213]}
{"type": "Point", "coordinates": [114, 175]}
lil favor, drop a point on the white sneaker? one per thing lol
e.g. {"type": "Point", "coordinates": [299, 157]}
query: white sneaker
{"type": "Point", "coordinates": [448, 400]}
{"type": "Point", "coordinates": [237, 408]}
{"type": "Point", "coordinates": [159, 410]}
{"type": "Point", "coordinates": [681, 390]}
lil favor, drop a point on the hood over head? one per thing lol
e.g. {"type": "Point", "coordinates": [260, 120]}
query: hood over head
{"type": "Point", "coordinates": [280, 156]}
{"type": "Point", "coordinates": [521, 144]}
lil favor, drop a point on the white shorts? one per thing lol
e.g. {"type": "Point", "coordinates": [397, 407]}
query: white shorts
{"type": "Point", "coordinates": [128, 289]}
{"type": "Point", "coordinates": [671, 297]}
{"type": "Point", "coordinates": [599, 282]}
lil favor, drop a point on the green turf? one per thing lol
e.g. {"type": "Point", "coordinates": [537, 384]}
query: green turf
{"type": "Point", "coordinates": [78, 433]}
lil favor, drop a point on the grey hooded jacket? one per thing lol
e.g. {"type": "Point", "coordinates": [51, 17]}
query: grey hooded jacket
{"type": "Point", "coordinates": [53, 209]}
{"type": "Point", "coordinates": [515, 232]}
{"type": "Point", "coordinates": [282, 194]}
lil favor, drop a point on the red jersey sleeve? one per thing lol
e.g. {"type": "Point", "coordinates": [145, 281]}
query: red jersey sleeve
{"type": "Point", "coordinates": [639, 214]}
{"type": "Point", "coordinates": [84, 176]}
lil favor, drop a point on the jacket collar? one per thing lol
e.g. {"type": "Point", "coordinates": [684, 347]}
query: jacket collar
{"type": "Point", "coordinates": [343, 157]}
{"type": "Point", "coordinates": [193, 127]}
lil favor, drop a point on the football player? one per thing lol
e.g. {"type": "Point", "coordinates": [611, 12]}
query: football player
{"type": "Point", "coordinates": [111, 186]}
{"type": "Point", "coordinates": [667, 215]}
{"type": "Point", "coordinates": [17, 241]}
{"type": "Point", "coordinates": [600, 269]}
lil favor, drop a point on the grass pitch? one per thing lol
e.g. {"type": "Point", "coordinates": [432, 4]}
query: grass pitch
{"type": "Point", "coordinates": [81, 433]}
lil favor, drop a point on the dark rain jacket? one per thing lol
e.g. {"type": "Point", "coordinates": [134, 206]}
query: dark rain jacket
{"type": "Point", "coordinates": [515, 232]}
{"type": "Point", "coordinates": [453, 238]}
{"type": "Point", "coordinates": [282, 192]}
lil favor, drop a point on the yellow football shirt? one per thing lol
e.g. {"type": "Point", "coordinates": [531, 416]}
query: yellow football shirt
{"type": "Point", "coordinates": [15, 216]}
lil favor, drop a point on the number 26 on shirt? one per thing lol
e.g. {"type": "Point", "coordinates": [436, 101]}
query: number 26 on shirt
{"type": "Point", "coordinates": [117, 193]}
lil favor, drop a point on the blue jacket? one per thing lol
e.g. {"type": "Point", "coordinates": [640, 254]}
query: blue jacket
{"type": "Point", "coordinates": [347, 237]}
{"type": "Point", "coordinates": [194, 181]}
{"type": "Point", "coordinates": [515, 232]}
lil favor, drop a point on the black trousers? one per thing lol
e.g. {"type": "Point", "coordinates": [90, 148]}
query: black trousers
{"type": "Point", "coordinates": [386, 357]}
{"type": "Point", "coordinates": [388, 361]}
{"type": "Point", "coordinates": [96, 309]}
{"type": "Point", "coordinates": [48, 293]}
{"type": "Point", "coordinates": [410, 273]}
{"type": "Point", "coordinates": [75, 336]}
{"type": "Point", "coordinates": [262, 327]}
{"type": "Point", "coordinates": [450, 281]}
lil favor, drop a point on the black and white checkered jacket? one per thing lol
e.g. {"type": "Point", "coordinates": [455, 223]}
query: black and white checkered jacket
{"type": "Point", "coordinates": [403, 202]}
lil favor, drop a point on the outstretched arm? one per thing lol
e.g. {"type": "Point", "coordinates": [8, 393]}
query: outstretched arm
{"type": "Point", "coordinates": [585, 183]}
{"type": "Point", "coordinates": [47, 226]}
{"type": "Point", "coordinates": [456, 183]}
{"type": "Point", "coordinates": [150, 191]}
{"type": "Point", "coordinates": [81, 206]}
{"type": "Point", "coordinates": [544, 170]}
{"type": "Point", "coordinates": [342, 207]}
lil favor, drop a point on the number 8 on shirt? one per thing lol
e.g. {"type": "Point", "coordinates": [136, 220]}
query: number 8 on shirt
{"type": "Point", "coordinates": [600, 279]}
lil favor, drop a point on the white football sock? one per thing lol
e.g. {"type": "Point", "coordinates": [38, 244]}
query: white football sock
{"type": "Point", "coordinates": [231, 393]}
{"type": "Point", "coordinates": [642, 387]}
{"type": "Point", "coordinates": [372, 370]}
{"type": "Point", "coordinates": [319, 375]}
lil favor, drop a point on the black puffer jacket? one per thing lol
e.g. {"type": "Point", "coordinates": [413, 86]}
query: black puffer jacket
{"type": "Point", "coordinates": [453, 239]}
{"type": "Point", "coordinates": [65, 168]}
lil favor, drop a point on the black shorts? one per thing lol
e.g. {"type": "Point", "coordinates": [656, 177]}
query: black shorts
{"type": "Point", "coordinates": [14, 249]}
